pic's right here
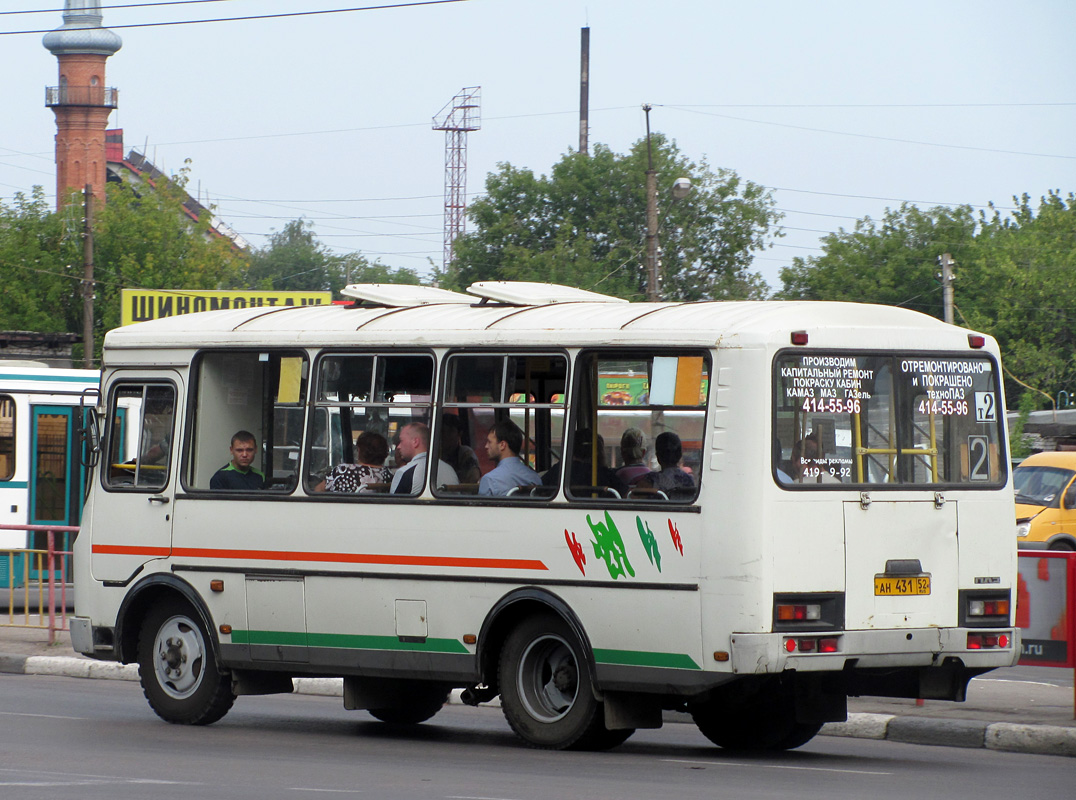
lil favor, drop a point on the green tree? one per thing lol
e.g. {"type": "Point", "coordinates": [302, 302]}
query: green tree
{"type": "Point", "coordinates": [1015, 277]}
{"type": "Point", "coordinates": [1020, 286]}
{"type": "Point", "coordinates": [585, 226]}
{"type": "Point", "coordinates": [295, 260]}
{"type": "Point", "coordinates": [145, 238]}
{"type": "Point", "coordinates": [41, 261]}
{"type": "Point", "coordinates": [893, 261]}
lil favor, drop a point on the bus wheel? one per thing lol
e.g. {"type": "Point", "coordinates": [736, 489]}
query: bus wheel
{"type": "Point", "coordinates": [546, 689]}
{"type": "Point", "coordinates": [179, 673]}
{"type": "Point", "coordinates": [423, 702]}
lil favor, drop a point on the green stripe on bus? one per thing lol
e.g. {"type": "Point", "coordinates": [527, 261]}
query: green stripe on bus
{"type": "Point", "coordinates": [347, 641]}
{"type": "Point", "coordinates": [639, 658]}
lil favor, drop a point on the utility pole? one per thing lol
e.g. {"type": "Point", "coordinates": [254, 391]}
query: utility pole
{"type": "Point", "coordinates": [87, 281]}
{"type": "Point", "coordinates": [946, 262]}
{"type": "Point", "coordinates": [584, 90]}
{"type": "Point", "coordinates": [652, 292]}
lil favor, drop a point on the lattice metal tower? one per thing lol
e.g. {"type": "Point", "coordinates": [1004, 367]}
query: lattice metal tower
{"type": "Point", "coordinates": [462, 113]}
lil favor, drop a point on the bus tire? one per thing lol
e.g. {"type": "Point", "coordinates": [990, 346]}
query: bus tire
{"type": "Point", "coordinates": [546, 692]}
{"type": "Point", "coordinates": [424, 701]}
{"type": "Point", "coordinates": [177, 667]}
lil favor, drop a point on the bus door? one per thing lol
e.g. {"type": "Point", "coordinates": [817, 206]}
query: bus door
{"type": "Point", "coordinates": [56, 477]}
{"type": "Point", "coordinates": [132, 518]}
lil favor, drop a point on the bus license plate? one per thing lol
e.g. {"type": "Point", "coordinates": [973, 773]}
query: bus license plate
{"type": "Point", "coordinates": [901, 587]}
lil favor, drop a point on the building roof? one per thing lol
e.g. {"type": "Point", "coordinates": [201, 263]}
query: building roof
{"type": "Point", "coordinates": [82, 32]}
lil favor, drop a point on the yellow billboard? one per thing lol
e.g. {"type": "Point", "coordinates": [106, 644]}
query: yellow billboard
{"type": "Point", "coordinates": [140, 305]}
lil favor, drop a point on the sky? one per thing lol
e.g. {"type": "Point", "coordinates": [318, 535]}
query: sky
{"type": "Point", "coordinates": [844, 109]}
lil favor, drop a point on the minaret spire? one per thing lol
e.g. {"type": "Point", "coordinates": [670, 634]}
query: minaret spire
{"type": "Point", "coordinates": [82, 102]}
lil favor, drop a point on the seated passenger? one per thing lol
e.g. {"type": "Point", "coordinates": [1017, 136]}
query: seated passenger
{"type": "Point", "coordinates": [238, 474]}
{"type": "Point", "coordinates": [633, 451]}
{"type": "Point", "coordinates": [413, 448]}
{"type": "Point", "coordinates": [372, 449]}
{"type": "Point", "coordinates": [671, 479]}
{"type": "Point", "coordinates": [581, 471]}
{"type": "Point", "coordinates": [503, 444]}
{"type": "Point", "coordinates": [456, 454]}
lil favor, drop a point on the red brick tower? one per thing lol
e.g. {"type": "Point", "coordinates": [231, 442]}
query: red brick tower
{"type": "Point", "coordinates": [81, 102]}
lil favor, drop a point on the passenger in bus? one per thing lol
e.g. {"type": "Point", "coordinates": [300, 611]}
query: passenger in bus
{"type": "Point", "coordinates": [671, 478]}
{"type": "Point", "coordinates": [808, 461]}
{"type": "Point", "coordinates": [503, 445]}
{"type": "Point", "coordinates": [633, 452]}
{"type": "Point", "coordinates": [414, 446]}
{"type": "Point", "coordinates": [582, 472]}
{"type": "Point", "coordinates": [456, 454]}
{"type": "Point", "coordinates": [372, 449]}
{"type": "Point", "coordinates": [238, 474]}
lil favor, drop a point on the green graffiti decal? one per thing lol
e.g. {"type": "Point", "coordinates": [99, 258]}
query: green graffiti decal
{"type": "Point", "coordinates": [609, 547]}
{"type": "Point", "coordinates": [650, 543]}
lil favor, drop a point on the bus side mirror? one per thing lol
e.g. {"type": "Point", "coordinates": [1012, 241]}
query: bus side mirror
{"type": "Point", "coordinates": [89, 429]}
{"type": "Point", "coordinates": [1069, 500]}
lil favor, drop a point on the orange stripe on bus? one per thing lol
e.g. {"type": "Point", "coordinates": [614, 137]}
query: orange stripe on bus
{"type": "Point", "coordinates": [336, 558]}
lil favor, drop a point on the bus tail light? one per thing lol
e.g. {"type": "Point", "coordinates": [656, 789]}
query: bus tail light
{"type": "Point", "coordinates": [799, 337]}
{"type": "Point", "coordinates": [808, 611]}
{"type": "Point", "coordinates": [976, 341]}
{"type": "Point", "coordinates": [987, 641]}
{"type": "Point", "coordinates": [985, 608]}
{"type": "Point", "coordinates": [812, 644]}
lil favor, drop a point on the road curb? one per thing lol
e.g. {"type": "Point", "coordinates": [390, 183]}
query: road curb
{"type": "Point", "coordinates": [1049, 740]}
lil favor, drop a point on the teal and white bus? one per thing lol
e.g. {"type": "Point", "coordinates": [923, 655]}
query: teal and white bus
{"type": "Point", "coordinates": [42, 480]}
{"type": "Point", "coordinates": [822, 508]}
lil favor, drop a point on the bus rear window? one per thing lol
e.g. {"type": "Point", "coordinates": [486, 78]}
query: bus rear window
{"type": "Point", "coordinates": [885, 419]}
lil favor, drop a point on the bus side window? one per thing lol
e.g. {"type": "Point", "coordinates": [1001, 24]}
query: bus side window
{"type": "Point", "coordinates": [141, 436]}
{"type": "Point", "coordinates": [261, 393]}
{"type": "Point", "coordinates": [521, 395]}
{"type": "Point", "coordinates": [363, 402]}
{"type": "Point", "coordinates": [7, 437]}
{"type": "Point", "coordinates": [639, 423]}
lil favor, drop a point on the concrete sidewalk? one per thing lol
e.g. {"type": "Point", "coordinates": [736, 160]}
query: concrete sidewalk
{"type": "Point", "coordinates": [1023, 709]}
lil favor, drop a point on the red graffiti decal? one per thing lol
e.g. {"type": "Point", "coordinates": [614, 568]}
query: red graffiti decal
{"type": "Point", "coordinates": [577, 550]}
{"type": "Point", "coordinates": [678, 543]}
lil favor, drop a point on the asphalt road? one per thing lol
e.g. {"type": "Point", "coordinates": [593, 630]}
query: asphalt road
{"type": "Point", "coordinates": [66, 738]}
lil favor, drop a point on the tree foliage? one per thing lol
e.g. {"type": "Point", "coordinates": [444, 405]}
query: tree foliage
{"type": "Point", "coordinates": [1015, 277]}
{"type": "Point", "coordinates": [295, 260]}
{"type": "Point", "coordinates": [585, 225]}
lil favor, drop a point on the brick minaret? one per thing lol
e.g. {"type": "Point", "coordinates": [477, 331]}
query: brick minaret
{"type": "Point", "coordinates": [81, 102]}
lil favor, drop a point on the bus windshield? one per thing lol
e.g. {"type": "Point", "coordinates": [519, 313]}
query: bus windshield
{"type": "Point", "coordinates": [886, 419]}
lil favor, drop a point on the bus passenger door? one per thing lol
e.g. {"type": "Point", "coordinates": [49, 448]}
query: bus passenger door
{"type": "Point", "coordinates": [55, 477]}
{"type": "Point", "coordinates": [132, 517]}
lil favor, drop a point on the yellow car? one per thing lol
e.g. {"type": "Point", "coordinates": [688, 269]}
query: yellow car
{"type": "Point", "coordinates": [1046, 502]}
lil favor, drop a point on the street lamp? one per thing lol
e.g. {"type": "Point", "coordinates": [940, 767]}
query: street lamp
{"type": "Point", "coordinates": [680, 189]}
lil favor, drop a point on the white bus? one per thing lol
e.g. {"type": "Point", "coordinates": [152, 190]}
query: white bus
{"type": "Point", "coordinates": [831, 514]}
{"type": "Point", "coordinates": [42, 480]}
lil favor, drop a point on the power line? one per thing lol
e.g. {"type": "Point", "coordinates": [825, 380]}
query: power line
{"type": "Point", "coordinates": [249, 17]}
{"type": "Point", "coordinates": [690, 110]}
{"type": "Point", "coordinates": [109, 8]}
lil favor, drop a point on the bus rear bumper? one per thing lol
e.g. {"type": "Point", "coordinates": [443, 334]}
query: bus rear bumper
{"type": "Point", "coordinates": [832, 651]}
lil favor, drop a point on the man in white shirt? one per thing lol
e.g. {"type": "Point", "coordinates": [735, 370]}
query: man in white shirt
{"type": "Point", "coordinates": [414, 446]}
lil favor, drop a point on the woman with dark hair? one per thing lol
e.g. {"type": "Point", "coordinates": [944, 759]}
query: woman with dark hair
{"type": "Point", "coordinates": [371, 449]}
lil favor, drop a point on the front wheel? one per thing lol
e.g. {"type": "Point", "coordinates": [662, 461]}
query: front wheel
{"type": "Point", "coordinates": [177, 668]}
{"type": "Point", "coordinates": [546, 691]}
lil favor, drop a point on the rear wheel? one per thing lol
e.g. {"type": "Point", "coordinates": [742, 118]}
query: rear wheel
{"type": "Point", "coordinates": [546, 689]}
{"type": "Point", "coordinates": [179, 673]}
{"type": "Point", "coordinates": [422, 703]}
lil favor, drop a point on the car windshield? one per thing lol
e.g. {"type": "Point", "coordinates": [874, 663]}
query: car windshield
{"type": "Point", "coordinates": [1040, 486]}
